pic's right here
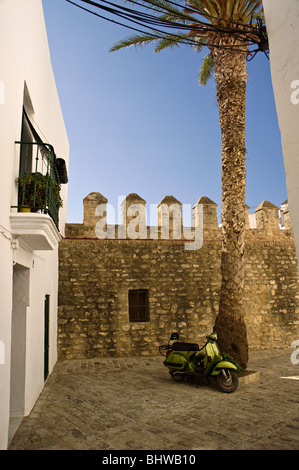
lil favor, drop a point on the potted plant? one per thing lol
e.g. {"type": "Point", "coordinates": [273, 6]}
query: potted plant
{"type": "Point", "coordinates": [34, 192]}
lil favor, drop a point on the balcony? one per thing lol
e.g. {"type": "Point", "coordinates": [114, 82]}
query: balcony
{"type": "Point", "coordinates": [36, 221]}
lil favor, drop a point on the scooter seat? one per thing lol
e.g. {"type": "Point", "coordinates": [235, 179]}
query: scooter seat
{"type": "Point", "coordinates": [185, 346]}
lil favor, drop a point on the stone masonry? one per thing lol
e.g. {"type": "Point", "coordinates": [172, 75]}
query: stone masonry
{"type": "Point", "coordinates": [99, 264]}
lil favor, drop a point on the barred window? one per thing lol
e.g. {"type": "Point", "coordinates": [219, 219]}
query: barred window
{"type": "Point", "coordinates": [138, 306]}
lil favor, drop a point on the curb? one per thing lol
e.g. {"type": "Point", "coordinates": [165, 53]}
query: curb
{"type": "Point", "coordinates": [249, 378]}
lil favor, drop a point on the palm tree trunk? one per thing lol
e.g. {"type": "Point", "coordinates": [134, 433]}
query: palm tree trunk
{"type": "Point", "coordinates": [231, 79]}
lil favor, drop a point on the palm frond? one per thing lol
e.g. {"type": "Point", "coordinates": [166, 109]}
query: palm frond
{"type": "Point", "coordinates": [170, 41]}
{"type": "Point", "coordinates": [196, 6]}
{"type": "Point", "coordinates": [137, 41]}
{"type": "Point", "coordinates": [252, 8]}
{"type": "Point", "coordinates": [206, 70]}
{"type": "Point", "coordinates": [193, 22]}
{"type": "Point", "coordinates": [178, 16]}
{"type": "Point", "coordinates": [171, 11]}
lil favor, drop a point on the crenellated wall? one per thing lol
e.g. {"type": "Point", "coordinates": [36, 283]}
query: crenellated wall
{"type": "Point", "coordinates": [179, 267]}
{"type": "Point", "coordinates": [134, 220]}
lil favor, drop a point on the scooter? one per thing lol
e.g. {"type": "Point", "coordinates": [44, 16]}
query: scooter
{"type": "Point", "coordinates": [186, 359]}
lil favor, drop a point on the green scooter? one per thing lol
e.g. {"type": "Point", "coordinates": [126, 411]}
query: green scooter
{"type": "Point", "coordinates": [184, 359]}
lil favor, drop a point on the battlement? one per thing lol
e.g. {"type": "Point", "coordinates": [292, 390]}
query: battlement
{"type": "Point", "coordinates": [267, 219]}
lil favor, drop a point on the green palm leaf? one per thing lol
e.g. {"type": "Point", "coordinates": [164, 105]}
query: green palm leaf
{"type": "Point", "coordinates": [171, 41]}
{"type": "Point", "coordinates": [206, 70]}
{"type": "Point", "coordinates": [137, 41]}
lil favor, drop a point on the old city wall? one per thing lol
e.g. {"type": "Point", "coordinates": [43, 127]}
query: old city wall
{"type": "Point", "coordinates": [183, 283]}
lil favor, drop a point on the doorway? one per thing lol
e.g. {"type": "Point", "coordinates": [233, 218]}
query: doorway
{"type": "Point", "coordinates": [20, 302]}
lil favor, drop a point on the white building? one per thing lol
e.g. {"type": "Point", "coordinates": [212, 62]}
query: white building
{"type": "Point", "coordinates": [282, 21]}
{"type": "Point", "coordinates": [29, 112]}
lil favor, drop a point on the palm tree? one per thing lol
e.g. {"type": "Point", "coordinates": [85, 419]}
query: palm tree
{"type": "Point", "coordinates": [225, 28]}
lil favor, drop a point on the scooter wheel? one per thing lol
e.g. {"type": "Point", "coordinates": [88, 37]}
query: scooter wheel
{"type": "Point", "coordinates": [177, 376]}
{"type": "Point", "coordinates": [227, 381]}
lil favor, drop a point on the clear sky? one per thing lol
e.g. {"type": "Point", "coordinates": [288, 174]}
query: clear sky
{"type": "Point", "coordinates": [139, 122]}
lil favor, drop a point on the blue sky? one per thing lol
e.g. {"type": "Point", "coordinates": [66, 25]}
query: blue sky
{"type": "Point", "coordinates": [139, 122]}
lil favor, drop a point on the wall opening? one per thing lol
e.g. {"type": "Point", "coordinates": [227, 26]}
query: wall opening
{"type": "Point", "coordinates": [21, 281]}
{"type": "Point", "coordinates": [138, 306]}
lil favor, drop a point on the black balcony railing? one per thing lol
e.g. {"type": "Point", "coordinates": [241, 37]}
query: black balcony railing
{"type": "Point", "coordinates": [39, 181]}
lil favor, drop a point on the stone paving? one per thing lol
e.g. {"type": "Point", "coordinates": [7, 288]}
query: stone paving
{"type": "Point", "coordinates": [133, 404]}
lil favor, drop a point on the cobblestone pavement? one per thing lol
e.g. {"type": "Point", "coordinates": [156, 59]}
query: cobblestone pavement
{"type": "Point", "coordinates": [133, 404]}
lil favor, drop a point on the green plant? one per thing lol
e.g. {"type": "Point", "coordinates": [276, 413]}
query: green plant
{"type": "Point", "coordinates": [37, 191]}
{"type": "Point", "coordinates": [227, 357]}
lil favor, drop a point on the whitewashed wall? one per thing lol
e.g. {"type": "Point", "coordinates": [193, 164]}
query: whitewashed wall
{"type": "Point", "coordinates": [282, 20]}
{"type": "Point", "coordinates": [24, 57]}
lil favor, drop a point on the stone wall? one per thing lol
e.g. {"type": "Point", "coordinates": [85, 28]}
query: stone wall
{"type": "Point", "coordinates": [95, 276]}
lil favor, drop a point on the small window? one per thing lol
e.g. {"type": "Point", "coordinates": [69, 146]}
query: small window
{"type": "Point", "coordinates": [138, 306]}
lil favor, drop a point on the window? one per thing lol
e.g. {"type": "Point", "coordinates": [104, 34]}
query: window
{"type": "Point", "coordinates": [138, 306]}
{"type": "Point", "coordinates": [26, 149]}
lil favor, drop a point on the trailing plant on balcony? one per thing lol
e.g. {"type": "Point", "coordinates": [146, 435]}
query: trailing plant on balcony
{"type": "Point", "coordinates": [38, 192]}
